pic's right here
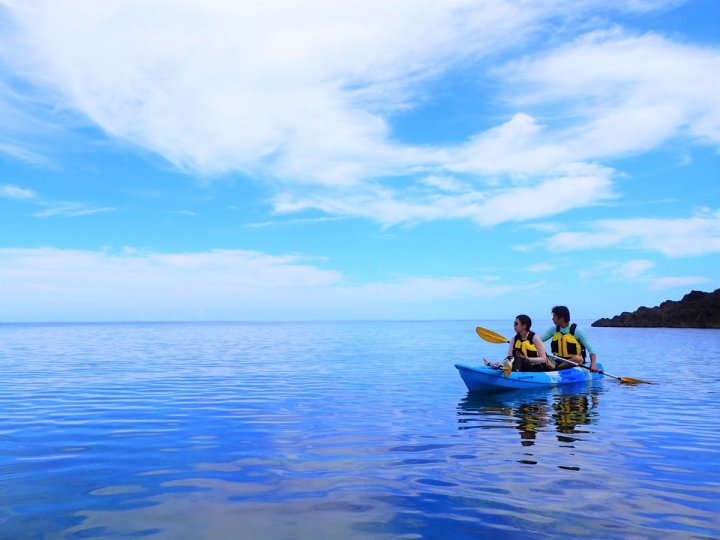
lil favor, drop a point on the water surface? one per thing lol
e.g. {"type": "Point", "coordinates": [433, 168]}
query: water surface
{"type": "Point", "coordinates": [347, 430]}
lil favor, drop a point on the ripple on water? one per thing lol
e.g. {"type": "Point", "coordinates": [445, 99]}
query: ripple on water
{"type": "Point", "coordinates": [353, 430]}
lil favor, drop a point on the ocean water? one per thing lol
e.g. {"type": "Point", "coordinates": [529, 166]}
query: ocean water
{"type": "Point", "coordinates": [348, 430]}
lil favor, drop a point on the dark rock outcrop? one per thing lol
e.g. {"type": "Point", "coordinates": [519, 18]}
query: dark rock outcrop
{"type": "Point", "coordinates": [696, 310]}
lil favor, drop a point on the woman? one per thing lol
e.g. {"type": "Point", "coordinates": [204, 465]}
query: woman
{"type": "Point", "coordinates": [526, 349]}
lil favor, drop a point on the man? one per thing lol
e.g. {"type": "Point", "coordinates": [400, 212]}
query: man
{"type": "Point", "coordinates": [568, 341]}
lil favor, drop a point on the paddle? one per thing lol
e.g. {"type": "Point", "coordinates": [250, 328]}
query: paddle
{"type": "Point", "coordinates": [489, 335]}
{"type": "Point", "coordinates": [494, 337]}
{"type": "Point", "coordinates": [626, 380]}
{"type": "Point", "coordinates": [506, 366]}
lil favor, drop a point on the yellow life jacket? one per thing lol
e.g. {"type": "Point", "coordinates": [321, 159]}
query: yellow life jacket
{"type": "Point", "coordinates": [525, 347]}
{"type": "Point", "coordinates": [566, 345]}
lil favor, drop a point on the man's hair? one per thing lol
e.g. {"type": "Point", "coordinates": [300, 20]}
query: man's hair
{"type": "Point", "coordinates": [524, 319]}
{"type": "Point", "coordinates": [561, 312]}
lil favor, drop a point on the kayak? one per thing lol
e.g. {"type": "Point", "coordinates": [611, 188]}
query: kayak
{"type": "Point", "coordinates": [487, 379]}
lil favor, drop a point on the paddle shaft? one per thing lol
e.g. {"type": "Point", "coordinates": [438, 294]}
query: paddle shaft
{"type": "Point", "coordinates": [629, 380]}
{"type": "Point", "coordinates": [561, 359]}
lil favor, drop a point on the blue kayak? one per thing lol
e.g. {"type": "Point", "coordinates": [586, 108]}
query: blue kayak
{"type": "Point", "coordinates": [487, 379]}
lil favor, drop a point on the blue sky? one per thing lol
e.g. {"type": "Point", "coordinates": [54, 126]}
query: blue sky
{"type": "Point", "coordinates": [295, 160]}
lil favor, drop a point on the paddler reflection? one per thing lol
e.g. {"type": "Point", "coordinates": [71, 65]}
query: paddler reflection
{"type": "Point", "coordinates": [532, 415]}
{"type": "Point", "coordinates": [571, 412]}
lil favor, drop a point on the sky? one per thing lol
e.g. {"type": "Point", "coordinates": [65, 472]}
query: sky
{"type": "Point", "coordinates": [310, 160]}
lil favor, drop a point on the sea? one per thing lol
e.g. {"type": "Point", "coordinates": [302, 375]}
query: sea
{"type": "Point", "coordinates": [343, 430]}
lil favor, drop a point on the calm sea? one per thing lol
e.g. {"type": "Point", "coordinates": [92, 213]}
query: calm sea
{"type": "Point", "coordinates": [348, 430]}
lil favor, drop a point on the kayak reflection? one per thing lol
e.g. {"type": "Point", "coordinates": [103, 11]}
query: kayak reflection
{"type": "Point", "coordinates": [566, 409]}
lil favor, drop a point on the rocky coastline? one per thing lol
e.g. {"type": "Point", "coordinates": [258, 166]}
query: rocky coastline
{"type": "Point", "coordinates": [696, 309]}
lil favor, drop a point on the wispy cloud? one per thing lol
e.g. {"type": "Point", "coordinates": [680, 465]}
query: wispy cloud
{"type": "Point", "coordinates": [677, 282]}
{"type": "Point", "coordinates": [51, 208]}
{"type": "Point", "coordinates": [22, 153]}
{"type": "Point", "coordinates": [638, 272]}
{"type": "Point", "coordinates": [486, 206]}
{"type": "Point", "coordinates": [624, 93]}
{"type": "Point", "coordinates": [414, 290]}
{"type": "Point", "coordinates": [631, 270]}
{"type": "Point", "coordinates": [445, 183]}
{"type": "Point", "coordinates": [10, 191]}
{"type": "Point", "coordinates": [69, 209]}
{"type": "Point", "coordinates": [680, 237]}
{"type": "Point", "coordinates": [305, 94]}
{"type": "Point", "coordinates": [27, 120]}
{"type": "Point", "coordinates": [300, 88]}
{"type": "Point", "coordinates": [290, 222]}
{"type": "Point", "coordinates": [219, 284]}
{"type": "Point", "coordinates": [541, 268]}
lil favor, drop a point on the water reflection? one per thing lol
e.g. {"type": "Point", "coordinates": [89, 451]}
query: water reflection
{"type": "Point", "coordinates": [566, 411]}
{"type": "Point", "coordinates": [572, 411]}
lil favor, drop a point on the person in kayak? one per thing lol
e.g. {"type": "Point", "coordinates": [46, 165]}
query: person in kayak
{"type": "Point", "coordinates": [568, 341]}
{"type": "Point", "coordinates": [526, 351]}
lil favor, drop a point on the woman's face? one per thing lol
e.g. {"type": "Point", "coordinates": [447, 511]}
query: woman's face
{"type": "Point", "coordinates": [518, 326]}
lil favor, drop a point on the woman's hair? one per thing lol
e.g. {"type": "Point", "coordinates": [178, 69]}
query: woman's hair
{"type": "Point", "coordinates": [562, 312]}
{"type": "Point", "coordinates": [524, 320]}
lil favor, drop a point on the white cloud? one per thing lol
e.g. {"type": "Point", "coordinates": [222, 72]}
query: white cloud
{"type": "Point", "coordinates": [290, 222]}
{"type": "Point", "coordinates": [28, 121]}
{"type": "Point", "coordinates": [69, 209]}
{"type": "Point", "coordinates": [139, 285]}
{"type": "Point", "coordinates": [632, 270]}
{"type": "Point", "coordinates": [643, 6]}
{"type": "Point", "coordinates": [445, 183]}
{"type": "Point", "coordinates": [219, 284]}
{"type": "Point", "coordinates": [51, 208]}
{"type": "Point", "coordinates": [418, 290]}
{"type": "Point", "coordinates": [681, 237]}
{"type": "Point", "coordinates": [541, 268]}
{"type": "Point", "coordinates": [297, 89]}
{"type": "Point", "coordinates": [305, 92]}
{"type": "Point", "coordinates": [10, 191]}
{"type": "Point", "coordinates": [626, 93]}
{"type": "Point", "coordinates": [487, 208]}
{"type": "Point", "coordinates": [520, 146]}
{"type": "Point", "coordinates": [637, 271]}
{"type": "Point", "coordinates": [675, 282]}
{"type": "Point", "coordinates": [22, 153]}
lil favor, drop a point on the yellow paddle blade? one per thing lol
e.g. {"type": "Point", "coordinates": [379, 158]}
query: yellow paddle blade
{"type": "Point", "coordinates": [507, 366]}
{"type": "Point", "coordinates": [630, 380]}
{"type": "Point", "coordinates": [489, 335]}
